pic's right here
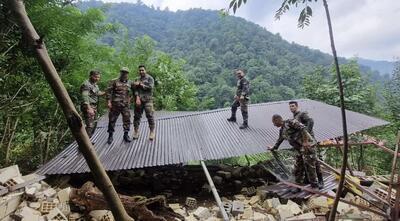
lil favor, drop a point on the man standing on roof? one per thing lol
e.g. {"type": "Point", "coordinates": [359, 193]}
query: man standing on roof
{"type": "Point", "coordinates": [306, 120]}
{"type": "Point", "coordinates": [118, 101]}
{"type": "Point", "coordinates": [241, 99]}
{"type": "Point", "coordinates": [90, 93]}
{"type": "Point", "coordinates": [298, 137]}
{"type": "Point", "coordinates": [143, 91]}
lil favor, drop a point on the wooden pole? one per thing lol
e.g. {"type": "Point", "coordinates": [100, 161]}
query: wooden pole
{"type": "Point", "coordinates": [394, 164]}
{"type": "Point", "coordinates": [73, 119]}
{"type": "Point", "coordinates": [332, 215]}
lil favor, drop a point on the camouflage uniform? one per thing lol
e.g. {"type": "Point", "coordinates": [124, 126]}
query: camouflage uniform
{"type": "Point", "coordinates": [118, 94]}
{"type": "Point", "coordinates": [307, 121]}
{"type": "Point", "coordinates": [145, 94]}
{"type": "Point", "coordinates": [293, 131]}
{"type": "Point", "coordinates": [90, 95]}
{"type": "Point", "coordinates": [243, 89]}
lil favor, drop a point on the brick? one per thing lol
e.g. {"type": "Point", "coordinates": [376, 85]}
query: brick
{"type": "Point", "coordinates": [63, 195]}
{"type": "Point", "coordinates": [294, 207]}
{"type": "Point", "coordinates": [191, 203]}
{"type": "Point", "coordinates": [237, 208]}
{"type": "Point", "coordinates": [202, 213]}
{"type": "Point", "coordinates": [46, 207]}
{"type": "Point", "coordinates": [76, 217]}
{"type": "Point", "coordinates": [251, 191]}
{"type": "Point", "coordinates": [64, 208]}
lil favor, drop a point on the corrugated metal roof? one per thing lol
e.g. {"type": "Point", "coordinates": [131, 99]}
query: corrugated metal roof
{"type": "Point", "coordinates": [207, 135]}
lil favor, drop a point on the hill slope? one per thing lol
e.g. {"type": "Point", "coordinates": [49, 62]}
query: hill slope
{"type": "Point", "coordinates": [213, 46]}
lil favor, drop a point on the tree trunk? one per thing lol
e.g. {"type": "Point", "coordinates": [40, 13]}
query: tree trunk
{"type": "Point", "coordinates": [10, 142]}
{"type": "Point", "coordinates": [332, 215]}
{"type": "Point", "coordinates": [5, 131]}
{"type": "Point", "coordinates": [73, 119]}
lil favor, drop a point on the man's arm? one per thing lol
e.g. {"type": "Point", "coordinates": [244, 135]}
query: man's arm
{"type": "Point", "coordinates": [85, 94]}
{"type": "Point", "coordinates": [279, 141]}
{"type": "Point", "coordinates": [308, 121]}
{"type": "Point", "coordinates": [148, 85]}
{"type": "Point", "coordinates": [109, 93]}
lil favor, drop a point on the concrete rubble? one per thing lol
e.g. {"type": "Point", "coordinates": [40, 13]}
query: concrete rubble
{"type": "Point", "coordinates": [29, 198]}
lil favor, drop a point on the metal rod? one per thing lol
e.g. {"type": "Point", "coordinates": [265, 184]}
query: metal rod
{"type": "Point", "coordinates": [214, 191]}
{"type": "Point", "coordinates": [394, 163]}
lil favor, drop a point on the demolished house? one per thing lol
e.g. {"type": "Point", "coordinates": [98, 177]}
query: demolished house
{"type": "Point", "coordinates": [162, 179]}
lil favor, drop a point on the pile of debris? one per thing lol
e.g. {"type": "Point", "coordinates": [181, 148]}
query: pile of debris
{"type": "Point", "coordinates": [29, 198]}
{"type": "Point", "coordinates": [262, 207]}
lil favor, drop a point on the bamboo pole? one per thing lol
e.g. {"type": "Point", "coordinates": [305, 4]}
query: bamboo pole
{"type": "Point", "coordinates": [71, 115]}
{"type": "Point", "coordinates": [394, 164]}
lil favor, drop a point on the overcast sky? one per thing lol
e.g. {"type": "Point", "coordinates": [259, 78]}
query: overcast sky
{"type": "Point", "coordinates": [362, 28]}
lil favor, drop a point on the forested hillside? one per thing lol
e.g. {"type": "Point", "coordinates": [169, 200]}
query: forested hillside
{"type": "Point", "coordinates": [213, 46]}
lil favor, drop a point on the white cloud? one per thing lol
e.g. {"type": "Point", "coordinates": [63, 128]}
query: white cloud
{"type": "Point", "coordinates": [366, 28]}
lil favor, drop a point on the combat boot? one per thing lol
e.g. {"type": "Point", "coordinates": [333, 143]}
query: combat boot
{"type": "Point", "coordinates": [110, 138]}
{"type": "Point", "coordinates": [244, 125]}
{"type": "Point", "coordinates": [126, 137]}
{"type": "Point", "coordinates": [232, 118]}
{"type": "Point", "coordinates": [152, 135]}
{"type": "Point", "coordinates": [136, 134]}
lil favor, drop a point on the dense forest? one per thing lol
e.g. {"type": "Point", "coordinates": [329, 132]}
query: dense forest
{"type": "Point", "coordinates": [191, 54]}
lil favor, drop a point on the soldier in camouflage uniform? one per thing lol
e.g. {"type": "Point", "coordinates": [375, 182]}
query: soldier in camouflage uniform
{"type": "Point", "coordinates": [143, 91]}
{"type": "Point", "coordinates": [118, 101]}
{"type": "Point", "coordinates": [241, 99]}
{"type": "Point", "coordinates": [306, 120]}
{"type": "Point", "coordinates": [90, 93]}
{"type": "Point", "coordinates": [296, 134]}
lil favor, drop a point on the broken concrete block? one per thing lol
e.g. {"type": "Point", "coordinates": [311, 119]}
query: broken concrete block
{"type": "Point", "coordinates": [27, 212]}
{"type": "Point", "coordinates": [273, 203]}
{"type": "Point", "coordinates": [284, 212]}
{"type": "Point", "coordinates": [202, 213]}
{"type": "Point", "coordinates": [30, 191]}
{"type": "Point", "coordinates": [254, 200]}
{"type": "Point", "coordinates": [190, 218]}
{"type": "Point", "coordinates": [305, 216]}
{"type": "Point", "coordinates": [247, 213]}
{"type": "Point", "coordinates": [174, 206]}
{"type": "Point", "coordinates": [9, 204]}
{"type": "Point", "coordinates": [63, 195]}
{"type": "Point", "coordinates": [191, 203]}
{"type": "Point", "coordinates": [56, 214]}
{"type": "Point", "coordinates": [64, 208]}
{"type": "Point", "coordinates": [224, 174]}
{"type": "Point", "coordinates": [320, 202]}
{"type": "Point", "coordinates": [237, 208]}
{"type": "Point", "coordinates": [34, 205]}
{"type": "Point", "coordinates": [13, 182]}
{"type": "Point", "coordinates": [181, 212]}
{"type": "Point", "coordinates": [259, 217]}
{"type": "Point", "coordinates": [46, 207]}
{"type": "Point", "coordinates": [294, 207]}
{"type": "Point", "coordinates": [49, 192]}
{"type": "Point", "coordinates": [8, 173]}
{"type": "Point", "coordinates": [102, 215]}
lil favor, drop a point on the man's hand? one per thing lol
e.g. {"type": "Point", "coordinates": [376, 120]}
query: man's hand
{"type": "Point", "coordinates": [109, 105]}
{"type": "Point", "coordinates": [102, 93]}
{"type": "Point", "coordinates": [271, 148]}
{"type": "Point", "coordinates": [241, 97]}
{"type": "Point", "coordinates": [138, 101]}
{"type": "Point", "coordinates": [136, 83]}
{"type": "Point", "coordinates": [236, 97]}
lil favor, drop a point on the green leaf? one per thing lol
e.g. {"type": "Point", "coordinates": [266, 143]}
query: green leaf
{"type": "Point", "coordinates": [231, 4]}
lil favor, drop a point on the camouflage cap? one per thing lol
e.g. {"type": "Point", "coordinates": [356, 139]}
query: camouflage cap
{"type": "Point", "coordinates": [124, 69]}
